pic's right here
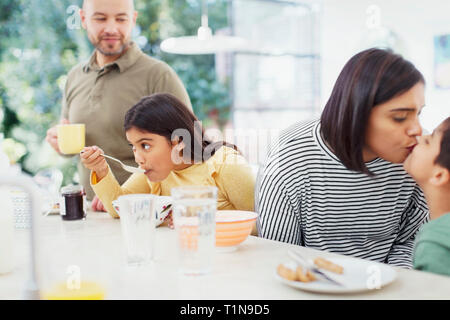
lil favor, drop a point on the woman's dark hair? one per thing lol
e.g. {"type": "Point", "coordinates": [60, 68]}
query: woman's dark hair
{"type": "Point", "coordinates": [443, 158]}
{"type": "Point", "coordinates": [369, 78]}
{"type": "Point", "coordinates": [165, 115]}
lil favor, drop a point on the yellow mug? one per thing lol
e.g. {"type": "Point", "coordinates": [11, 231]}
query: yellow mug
{"type": "Point", "coordinates": [71, 137]}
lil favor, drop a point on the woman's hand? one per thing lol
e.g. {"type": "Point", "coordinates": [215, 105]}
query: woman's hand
{"type": "Point", "coordinates": [92, 158]}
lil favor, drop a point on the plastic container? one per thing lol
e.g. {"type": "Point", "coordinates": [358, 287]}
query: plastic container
{"type": "Point", "coordinates": [6, 232]}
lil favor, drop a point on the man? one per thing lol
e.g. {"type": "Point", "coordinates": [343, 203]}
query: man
{"type": "Point", "coordinates": [98, 93]}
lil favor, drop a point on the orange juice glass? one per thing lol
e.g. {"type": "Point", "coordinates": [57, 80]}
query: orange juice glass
{"type": "Point", "coordinates": [194, 210]}
{"type": "Point", "coordinates": [85, 290]}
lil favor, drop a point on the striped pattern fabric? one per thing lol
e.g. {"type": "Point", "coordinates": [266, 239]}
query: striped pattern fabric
{"type": "Point", "coordinates": [307, 197]}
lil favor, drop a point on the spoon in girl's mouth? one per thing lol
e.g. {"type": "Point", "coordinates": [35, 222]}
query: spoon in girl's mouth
{"type": "Point", "coordinates": [124, 166]}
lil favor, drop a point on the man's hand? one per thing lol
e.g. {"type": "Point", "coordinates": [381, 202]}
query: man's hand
{"type": "Point", "coordinates": [52, 136]}
{"type": "Point", "coordinates": [97, 205]}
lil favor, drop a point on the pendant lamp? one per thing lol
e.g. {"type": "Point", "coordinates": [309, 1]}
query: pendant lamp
{"type": "Point", "coordinates": [204, 42]}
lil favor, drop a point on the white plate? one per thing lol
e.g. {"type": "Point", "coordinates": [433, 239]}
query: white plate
{"type": "Point", "coordinates": [358, 275]}
{"type": "Point", "coordinates": [51, 210]}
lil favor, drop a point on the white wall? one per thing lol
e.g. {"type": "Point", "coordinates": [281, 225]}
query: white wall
{"type": "Point", "coordinates": [344, 31]}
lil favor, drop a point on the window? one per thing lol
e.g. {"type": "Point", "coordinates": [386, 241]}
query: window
{"type": "Point", "coordinates": [276, 79]}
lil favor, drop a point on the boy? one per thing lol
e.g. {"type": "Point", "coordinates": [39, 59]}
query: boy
{"type": "Point", "coordinates": [429, 165]}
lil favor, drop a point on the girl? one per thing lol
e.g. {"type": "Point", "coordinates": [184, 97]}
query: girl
{"type": "Point", "coordinates": [168, 143]}
{"type": "Point", "coordinates": [337, 184]}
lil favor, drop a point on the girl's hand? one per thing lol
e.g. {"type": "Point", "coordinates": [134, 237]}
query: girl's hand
{"type": "Point", "coordinates": [92, 158]}
{"type": "Point", "coordinates": [97, 205]}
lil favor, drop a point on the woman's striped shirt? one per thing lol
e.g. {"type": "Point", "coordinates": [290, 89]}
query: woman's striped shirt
{"type": "Point", "coordinates": [308, 197]}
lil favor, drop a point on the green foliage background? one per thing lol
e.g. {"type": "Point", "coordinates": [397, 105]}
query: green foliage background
{"type": "Point", "coordinates": [37, 49]}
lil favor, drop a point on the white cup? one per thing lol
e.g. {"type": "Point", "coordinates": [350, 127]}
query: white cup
{"type": "Point", "coordinates": [163, 207]}
{"type": "Point", "coordinates": [137, 219]}
{"type": "Point", "coordinates": [194, 216]}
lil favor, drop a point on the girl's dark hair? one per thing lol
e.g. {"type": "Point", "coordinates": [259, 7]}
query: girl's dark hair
{"type": "Point", "coordinates": [165, 115]}
{"type": "Point", "coordinates": [443, 158]}
{"type": "Point", "coordinates": [369, 78]}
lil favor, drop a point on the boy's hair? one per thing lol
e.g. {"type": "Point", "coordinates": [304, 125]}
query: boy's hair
{"type": "Point", "coordinates": [443, 159]}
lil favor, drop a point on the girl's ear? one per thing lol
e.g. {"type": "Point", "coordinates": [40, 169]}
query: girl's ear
{"type": "Point", "coordinates": [179, 145]}
{"type": "Point", "coordinates": [440, 177]}
{"type": "Point", "coordinates": [177, 151]}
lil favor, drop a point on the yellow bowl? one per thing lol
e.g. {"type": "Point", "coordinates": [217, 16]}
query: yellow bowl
{"type": "Point", "coordinates": [233, 227]}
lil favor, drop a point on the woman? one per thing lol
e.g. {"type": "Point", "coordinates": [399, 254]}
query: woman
{"type": "Point", "coordinates": [168, 143]}
{"type": "Point", "coordinates": [337, 184]}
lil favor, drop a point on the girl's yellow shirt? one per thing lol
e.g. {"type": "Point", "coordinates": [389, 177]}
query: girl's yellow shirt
{"type": "Point", "coordinates": [226, 169]}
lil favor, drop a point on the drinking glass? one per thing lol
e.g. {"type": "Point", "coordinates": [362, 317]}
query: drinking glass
{"type": "Point", "coordinates": [70, 265]}
{"type": "Point", "coordinates": [194, 216]}
{"type": "Point", "coordinates": [137, 219]}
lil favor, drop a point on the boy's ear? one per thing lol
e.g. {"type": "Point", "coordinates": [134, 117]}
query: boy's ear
{"type": "Point", "coordinates": [440, 177]}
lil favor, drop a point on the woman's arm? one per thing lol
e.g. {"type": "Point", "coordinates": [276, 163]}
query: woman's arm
{"type": "Point", "coordinates": [415, 215]}
{"type": "Point", "coordinates": [279, 215]}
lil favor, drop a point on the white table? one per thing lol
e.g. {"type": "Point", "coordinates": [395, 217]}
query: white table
{"type": "Point", "coordinates": [247, 273]}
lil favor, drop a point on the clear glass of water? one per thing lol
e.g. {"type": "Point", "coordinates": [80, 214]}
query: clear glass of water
{"type": "Point", "coordinates": [137, 219]}
{"type": "Point", "coordinates": [194, 217]}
